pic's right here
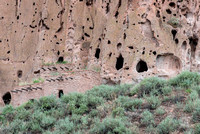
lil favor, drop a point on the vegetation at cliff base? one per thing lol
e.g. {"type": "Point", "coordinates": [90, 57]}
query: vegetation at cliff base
{"type": "Point", "coordinates": [153, 106]}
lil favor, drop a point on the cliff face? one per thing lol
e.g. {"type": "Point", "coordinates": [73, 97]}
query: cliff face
{"type": "Point", "coordinates": [126, 39]}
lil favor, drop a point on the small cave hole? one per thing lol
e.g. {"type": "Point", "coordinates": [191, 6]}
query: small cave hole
{"type": "Point", "coordinates": [58, 53]}
{"type": "Point", "coordinates": [116, 14]}
{"type": "Point", "coordinates": [143, 52]}
{"type": "Point", "coordinates": [97, 54]}
{"type": "Point", "coordinates": [168, 11]}
{"type": "Point", "coordinates": [19, 73]}
{"type": "Point", "coordinates": [37, 72]}
{"type": "Point", "coordinates": [60, 59]}
{"type": "Point", "coordinates": [124, 36]}
{"type": "Point", "coordinates": [174, 32]}
{"type": "Point", "coordinates": [130, 47]}
{"type": "Point", "coordinates": [120, 62]}
{"type": "Point", "coordinates": [193, 41]}
{"type": "Point", "coordinates": [176, 41]}
{"type": "Point", "coordinates": [119, 45]}
{"type": "Point", "coordinates": [158, 14]}
{"type": "Point", "coordinates": [126, 68]}
{"type": "Point", "coordinates": [7, 98]}
{"type": "Point", "coordinates": [110, 54]}
{"type": "Point", "coordinates": [184, 45]}
{"type": "Point", "coordinates": [172, 4]}
{"type": "Point", "coordinates": [107, 8]}
{"type": "Point", "coordinates": [60, 93]}
{"type": "Point", "coordinates": [141, 66]}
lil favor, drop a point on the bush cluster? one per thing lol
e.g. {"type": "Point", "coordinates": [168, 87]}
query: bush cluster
{"type": "Point", "coordinates": [107, 109]}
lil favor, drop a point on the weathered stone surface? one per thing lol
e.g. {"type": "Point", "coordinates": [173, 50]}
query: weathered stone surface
{"type": "Point", "coordinates": [126, 40]}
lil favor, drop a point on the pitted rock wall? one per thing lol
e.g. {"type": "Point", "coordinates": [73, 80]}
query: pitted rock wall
{"type": "Point", "coordinates": [127, 40]}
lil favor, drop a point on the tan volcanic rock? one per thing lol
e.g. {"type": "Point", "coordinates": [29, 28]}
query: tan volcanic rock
{"type": "Point", "coordinates": [127, 40]}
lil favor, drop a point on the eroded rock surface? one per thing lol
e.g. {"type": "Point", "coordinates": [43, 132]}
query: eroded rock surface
{"type": "Point", "coordinates": [126, 40]}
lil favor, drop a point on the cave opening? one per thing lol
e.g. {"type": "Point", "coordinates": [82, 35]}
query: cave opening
{"type": "Point", "coordinates": [120, 62]}
{"type": "Point", "coordinates": [172, 4]}
{"type": "Point", "coordinates": [60, 93]}
{"type": "Point", "coordinates": [141, 66]}
{"type": "Point", "coordinates": [174, 32]}
{"type": "Point", "coordinates": [184, 45]}
{"type": "Point", "coordinates": [97, 54]}
{"type": "Point", "coordinates": [19, 73]}
{"type": "Point", "coordinates": [7, 98]}
{"type": "Point", "coordinates": [168, 11]}
{"type": "Point", "coordinates": [193, 41]}
{"type": "Point", "coordinates": [60, 59]}
{"type": "Point", "coordinates": [119, 45]}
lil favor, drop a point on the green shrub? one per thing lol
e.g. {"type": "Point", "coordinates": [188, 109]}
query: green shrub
{"type": "Point", "coordinates": [47, 103]}
{"type": "Point", "coordinates": [16, 126]}
{"type": "Point", "coordinates": [64, 126]}
{"type": "Point", "coordinates": [123, 89]}
{"type": "Point", "coordinates": [147, 118]}
{"type": "Point", "coordinates": [166, 90]}
{"type": "Point", "coordinates": [80, 103]}
{"type": "Point", "coordinates": [196, 114]}
{"type": "Point", "coordinates": [193, 96]}
{"type": "Point", "coordinates": [31, 104]}
{"type": "Point", "coordinates": [47, 122]}
{"type": "Point", "coordinates": [174, 22]}
{"type": "Point", "coordinates": [128, 103]}
{"type": "Point", "coordinates": [185, 80]}
{"type": "Point", "coordinates": [192, 102]}
{"type": "Point", "coordinates": [104, 109]}
{"type": "Point", "coordinates": [151, 130]}
{"type": "Point", "coordinates": [85, 122]}
{"type": "Point", "coordinates": [197, 129]}
{"type": "Point", "coordinates": [149, 85]}
{"type": "Point", "coordinates": [62, 62]}
{"type": "Point", "coordinates": [8, 113]}
{"type": "Point", "coordinates": [196, 88]}
{"type": "Point", "coordinates": [94, 113]}
{"type": "Point", "coordinates": [119, 111]}
{"type": "Point", "coordinates": [110, 92]}
{"type": "Point", "coordinates": [8, 109]}
{"type": "Point", "coordinates": [23, 114]}
{"type": "Point", "coordinates": [189, 106]}
{"type": "Point", "coordinates": [179, 106]}
{"type": "Point", "coordinates": [168, 125]}
{"type": "Point", "coordinates": [76, 118]}
{"type": "Point", "coordinates": [76, 103]}
{"type": "Point", "coordinates": [105, 91]}
{"type": "Point", "coordinates": [39, 80]}
{"type": "Point", "coordinates": [110, 126]}
{"type": "Point", "coordinates": [94, 101]}
{"type": "Point", "coordinates": [160, 111]}
{"type": "Point", "coordinates": [188, 91]}
{"type": "Point", "coordinates": [153, 101]}
{"type": "Point", "coordinates": [58, 113]}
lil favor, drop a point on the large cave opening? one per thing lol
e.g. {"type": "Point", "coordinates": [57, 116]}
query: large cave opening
{"type": "Point", "coordinates": [7, 98]}
{"type": "Point", "coordinates": [120, 62]}
{"type": "Point", "coordinates": [141, 66]}
{"type": "Point", "coordinates": [168, 63]}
